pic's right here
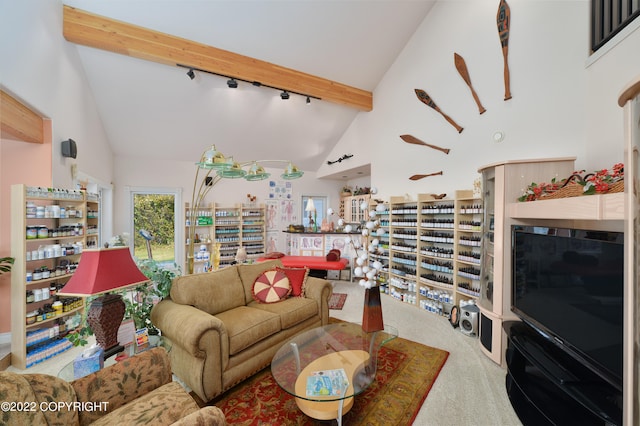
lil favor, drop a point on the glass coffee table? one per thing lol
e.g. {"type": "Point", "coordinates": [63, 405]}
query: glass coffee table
{"type": "Point", "coordinates": [326, 367]}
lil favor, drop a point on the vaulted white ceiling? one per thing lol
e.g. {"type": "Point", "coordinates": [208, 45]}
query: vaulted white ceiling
{"type": "Point", "coordinates": [156, 111]}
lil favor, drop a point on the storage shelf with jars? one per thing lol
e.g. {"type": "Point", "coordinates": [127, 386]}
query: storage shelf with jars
{"type": "Point", "coordinates": [49, 231]}
{"type": "Point", "coordinates": [403, 249]}
{"type": "Point", "coordinates": [253, 230]}
{"type": "Point", "coordinates": [435, 250]}
{"type": "Point", "coordinates": [225, 229]}
{"type": "Point", "coordinates": [469, 220]}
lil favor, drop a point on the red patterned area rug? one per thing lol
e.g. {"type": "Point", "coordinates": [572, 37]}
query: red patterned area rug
{"type": "Point", "coordinates": [406, 373]}
{"type": "Point", "coordinates": [337, 301]}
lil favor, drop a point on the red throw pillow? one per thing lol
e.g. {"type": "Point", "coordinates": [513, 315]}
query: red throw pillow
{"type": "Point", "coordinates": [333, 255]}
{"type": "Point", "coordinates": [274, 255]}
{"type": "Point", "coordinates": [297, 279]}
{"type": "Point", "coordinates": [271, 286]}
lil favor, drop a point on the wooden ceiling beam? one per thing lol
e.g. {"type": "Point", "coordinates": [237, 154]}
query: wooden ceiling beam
{"type": "Point", "coordinates": [18, 121]}
{"type": "Point", "coordinates": [99, 32]}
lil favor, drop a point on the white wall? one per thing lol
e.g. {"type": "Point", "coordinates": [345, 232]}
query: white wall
{"type": "Point", "coordinates": [172, 174]}
{"type": "Point", "coordinates": [560, 107]}
{"type": "Point", "coordinates": [40, 67]}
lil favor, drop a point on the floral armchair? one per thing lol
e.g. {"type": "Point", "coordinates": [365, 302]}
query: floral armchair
{"type": "Point", "coordinates": [137, 390]}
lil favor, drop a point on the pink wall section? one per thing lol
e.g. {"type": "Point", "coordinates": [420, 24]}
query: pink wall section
{"type": "Point", "coordinates": [26, 163]}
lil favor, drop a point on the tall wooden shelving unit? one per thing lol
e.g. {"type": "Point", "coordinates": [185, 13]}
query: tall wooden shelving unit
{"type": "Point", "coordinates": [68, 235]}
{"type": "Point", "coordinates": [434, 250]}
{"type": "Point", "coordinates": [502, 184]}
{"type": "Point", "coordinates": [232, 227]}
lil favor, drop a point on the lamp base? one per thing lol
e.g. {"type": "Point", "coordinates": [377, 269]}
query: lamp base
{"type": "Point", "coordinates": [104, 317]}
{"type": "Point", "coordinates": [372, 311]}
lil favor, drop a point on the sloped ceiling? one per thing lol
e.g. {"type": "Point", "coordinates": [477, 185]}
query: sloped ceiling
{"type": "Point", "coordinates": [156, 111]}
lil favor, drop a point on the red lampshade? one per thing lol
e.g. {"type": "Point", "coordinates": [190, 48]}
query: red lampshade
{"type": "Point", "coordinates": [103, 270]}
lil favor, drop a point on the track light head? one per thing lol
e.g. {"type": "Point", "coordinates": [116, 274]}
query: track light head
{"type": "Point", "coordinates": [191, 74]}
{"type": "Point", "coordinates": [284, 95]}
{"type": "Point", "coordinates": [232, 83]}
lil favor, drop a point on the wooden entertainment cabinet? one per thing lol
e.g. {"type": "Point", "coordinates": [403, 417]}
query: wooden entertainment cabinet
{"type": "Point", "coordinates": [546, 386]}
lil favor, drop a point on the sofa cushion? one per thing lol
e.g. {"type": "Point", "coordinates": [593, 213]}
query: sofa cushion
{"type": "Point", "coordinates": [246, 326]}
{"type": "Point", "coordinates": [297, 279]}
{"type": "Point", "coordinates": [162, 406]}
{"type": "Point", "coordinates": [271, 286]}
{"type": "Point", "coordinates": [292, 311]}
{"type": "Point", "coordinates": [212, 292]}
{"type": "Point", "coordinates": [249, 272]}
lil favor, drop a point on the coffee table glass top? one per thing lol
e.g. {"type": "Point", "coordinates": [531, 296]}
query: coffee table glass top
{"type": "Point", "coordinates": [310, 365]}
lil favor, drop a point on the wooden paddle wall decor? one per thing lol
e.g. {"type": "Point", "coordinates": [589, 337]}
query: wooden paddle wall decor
{"type": "Point", "coordinates": [426, 99]}
{"type": "Point", "coordinates": [503, 20]}
{"type": "Point", "coordinates": [418, 177]}
{"type": "Point", "coordinates": [415, 141]}
{"type": "Point", "coordinates": [461, 66]}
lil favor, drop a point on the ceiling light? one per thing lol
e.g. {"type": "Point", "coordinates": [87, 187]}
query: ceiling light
{"type": "Point", "coordinates": [234, 171]}
{"type": "Point", "coordinates": [232, 83]}
{"type": "Point", "coordinates": [256, 172]}
{"type": "Point", "coordinates": [308, 100]}
{"type": "Point", "coordinates": [191, 74]}
{"type": "Point", "coordinates": [284, 95]}
{"type": "Point", "coordinates": [291, 172]}
{"type": "Point", "coordinates": [213, 159]}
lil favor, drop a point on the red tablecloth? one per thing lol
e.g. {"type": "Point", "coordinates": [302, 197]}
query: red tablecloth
{"type": "Point", "coordinates": [312, 262]}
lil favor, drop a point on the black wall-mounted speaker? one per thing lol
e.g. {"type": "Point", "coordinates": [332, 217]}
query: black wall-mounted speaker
{"type": "Point", "coordinates": [69, 148]}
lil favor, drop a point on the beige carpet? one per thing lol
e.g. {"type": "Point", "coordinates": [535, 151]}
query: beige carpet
{"type": "Point", "coordinates": [470, 389]}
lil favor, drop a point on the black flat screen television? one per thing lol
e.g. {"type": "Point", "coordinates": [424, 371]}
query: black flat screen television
{"type": "Point", "coordinates": [568, 285]}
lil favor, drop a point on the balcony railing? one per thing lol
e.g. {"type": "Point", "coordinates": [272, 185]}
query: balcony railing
{"type": "Point", "coordinates": [609, 17]}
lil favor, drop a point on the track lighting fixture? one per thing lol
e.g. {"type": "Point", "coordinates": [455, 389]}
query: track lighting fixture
{"type": "Point", "coordinates": [232, 82]}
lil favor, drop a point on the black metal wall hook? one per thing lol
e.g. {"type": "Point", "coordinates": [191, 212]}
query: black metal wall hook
{"type": "Point", "coordinates": [339, 160]}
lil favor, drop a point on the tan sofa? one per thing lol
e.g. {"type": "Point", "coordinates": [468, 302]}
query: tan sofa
{"type": "Point", "coordinates": [220, 335]}
{"type": "Point", "coordinates": [138, 390]}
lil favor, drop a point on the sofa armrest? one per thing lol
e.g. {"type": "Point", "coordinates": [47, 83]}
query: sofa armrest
{"type": "Point", "coordinates": [210, 415]}
{"type": "Point", "coordinates": [319, 290]}
{"type": "Point", "coordinates": [123, 382]}
{"type": "Point", "coordinates": [185, 325]}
